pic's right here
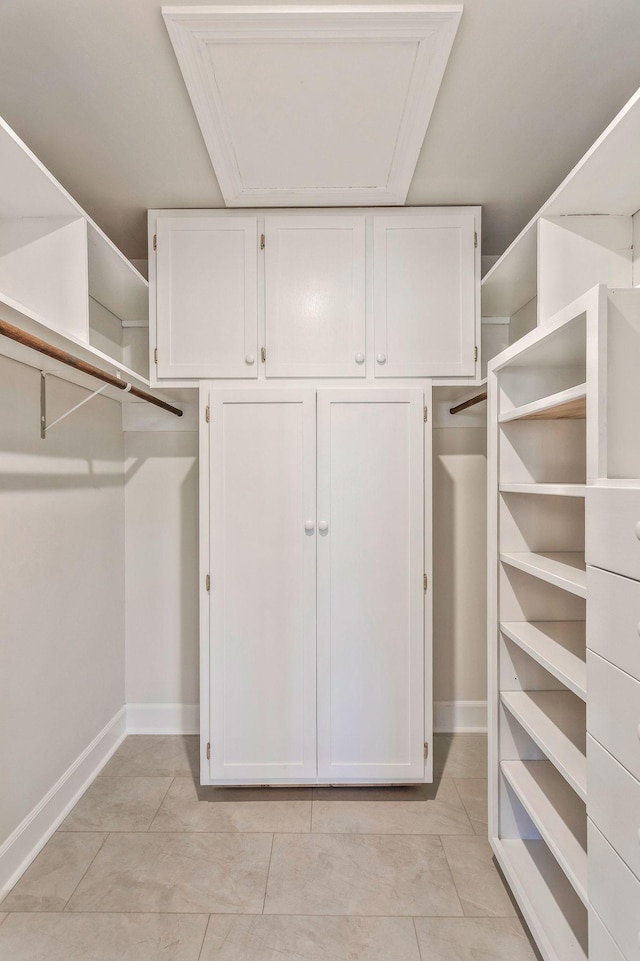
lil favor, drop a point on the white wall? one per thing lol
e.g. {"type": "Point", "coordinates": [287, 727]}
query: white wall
{"type": "Point", "coordinates": [61, 583]}
{"type": "Point", "coordinates": [161, 499]}
{"type": "Point", "coordinates": [460, 574]}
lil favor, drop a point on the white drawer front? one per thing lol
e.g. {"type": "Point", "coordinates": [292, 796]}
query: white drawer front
{"type": "Point", "coordinates": [615, 895]}
{"type": "Point", "coordinates": [613, 619]}
{"type": "Point", "coordinates": [613, 529]}
{"type": "Point", "coordinates": [613, 712]}
{"type": "Point", "coordinates": [602, 947]}
{"type": "Point", "coordinates": [613, 803]}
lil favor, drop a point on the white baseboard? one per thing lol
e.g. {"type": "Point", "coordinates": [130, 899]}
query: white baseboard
{"type": "Point", "coordinates": [163, 719]}
{"type": "Point", "coordinates": [28, 839]}
{"type": "Point", "coordinates": [460, 717]}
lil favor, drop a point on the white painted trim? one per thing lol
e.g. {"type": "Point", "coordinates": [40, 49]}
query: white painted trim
{"type": "Point", "coordinates": [163, 718]}
{"type": "Point", "coordinates": [460, 717]}
{"type": "Point", "coordinates": [31, 835]}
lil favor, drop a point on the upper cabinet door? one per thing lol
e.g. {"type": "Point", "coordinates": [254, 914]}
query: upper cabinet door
{"type": "Point", "coordinates": [424, 295]}
{"type": "Point", "coordinates": [207, 293]}
{"type": "Point", "coordinates": [315, 296]}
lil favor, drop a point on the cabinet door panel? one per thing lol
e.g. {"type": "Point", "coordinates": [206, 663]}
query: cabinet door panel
{"type": "Point", "coordinates": [370, 585]}
{"type": "Point", "coordinates": [424, 295]}
{"type": "Point", "coordinates": [263, 587]}
{"type": "Point", "coordinates": [315, 296]}
{"type": "Point", "coordinates": [207, 314]}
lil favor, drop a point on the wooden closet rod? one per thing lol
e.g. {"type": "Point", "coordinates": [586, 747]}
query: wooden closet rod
{"type": "Point", "coordinates": [15, 333]}
{"type": "Point", "coordinates": [469, 403]}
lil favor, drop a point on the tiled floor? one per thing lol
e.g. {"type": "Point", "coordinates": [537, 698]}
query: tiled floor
{"type": "Point", "coordinates": [149, 866]}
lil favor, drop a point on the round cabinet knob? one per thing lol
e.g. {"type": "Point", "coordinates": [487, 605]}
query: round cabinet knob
{"type": "Point", "coordinates": [381, 358]}
{"type": "Point", "coordinates": [250, 359]}
{"type": "Point", "coordinates": [638, 530]}
{"type": "Point", "coordinates": [308, 526]}
{"type": "Point", "coordinates": [359, 358]}
{"type": "Point", "coordinates": [323, 526]}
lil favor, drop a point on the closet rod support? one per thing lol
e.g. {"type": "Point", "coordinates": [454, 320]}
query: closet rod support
{"type": "Point", "coordinates": [469, 403]}
{"type": "Point", "coordinates": [111, 380]}
{"type": "Point", "coordinates": [44, 427]}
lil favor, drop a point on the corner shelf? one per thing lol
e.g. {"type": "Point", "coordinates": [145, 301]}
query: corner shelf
{"type": "Point", "coordinates": [551, 490]}
{"type": "Point", "coordinates": [564, 569]}
{"type": "Point", "coordinates": [556, 721]}
{"type": "Point", "coordinates": [558, 646]}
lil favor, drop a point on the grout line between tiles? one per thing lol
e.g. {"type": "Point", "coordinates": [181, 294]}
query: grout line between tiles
{"type": "Point", "coordinates": [453, 880]}
{"type": "Point", "coordinates": [149, 825]}
{"type": "Point", "coordinates": [204, 937]}
{"type": "Point", "coordinates": [266, 884]}
{"type": "Point", "coordinates": [258, 914]}
{"type": "Point", "coordinates": [105, 839]}
{"type": "Point", "coordinates": [415, 931]}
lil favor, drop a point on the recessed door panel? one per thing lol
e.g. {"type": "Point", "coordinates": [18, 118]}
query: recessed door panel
{"type": "Point", "coordinates": [207, 297]}
{"type": "Point", "coordinates": [370, 585]}
{"type": "Point", "coordinates": [315, 296]}
{"type": "Point", "coordinates": [263, 586]}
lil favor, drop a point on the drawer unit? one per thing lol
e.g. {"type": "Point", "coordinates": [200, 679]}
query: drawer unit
{"type": "Point", "coordinates": [614, 804]}
{"type": "Point", "coordinates": [613, 619]}
{"type": "Point", "coordinates": [613, 712]}
{"type": "Point", "coordinates": [615, 895]}
{"type": "Point", "coordinates": [602, 947]}
{"type": "Point", "coordinates": [613, 529]}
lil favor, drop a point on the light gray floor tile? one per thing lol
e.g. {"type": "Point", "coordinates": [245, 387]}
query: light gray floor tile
{"type": "Point", "coordinates": [49, 882]}
{"type": "Point", "coordinates": [359, 875]}
{"type": "Point", "coordinates": [155, 756]}
{"type": "Point", "coordinates": [213, 873]}
{"type": "Point", "coordinates": [473, 939]}
{"type": "Point", "coordinates": [473, 792]}
{"type": "Point", "coordinates": [102, 937]}
{"type": "Point", "coordinates": [182, 811]}
{"type": "Point", "coordinates": [460, 755]}
{"type": "Point", "coordinates": [445, 814]}
{"type": "Point", "coordinates": [211, 793]}
{"type": "Point", "coordinates": [480, 886]}
{"type": "Point", "coordinates": [379, 792]}
{"type": "Point", "coordinates": [118, 804]}
{"type": "Point", "coordinates": [263, 938]}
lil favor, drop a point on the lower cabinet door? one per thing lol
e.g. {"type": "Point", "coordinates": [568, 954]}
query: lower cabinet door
{"type": "Point", "coordinates": [370, 585]}
{"type": "Point", "coordinates": [263, 586]}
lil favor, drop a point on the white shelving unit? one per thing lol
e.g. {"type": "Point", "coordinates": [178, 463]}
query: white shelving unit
{"type": "Point", "coordinates": [562, 415]}
{"type": "Point", "coordinates": [62, 279]}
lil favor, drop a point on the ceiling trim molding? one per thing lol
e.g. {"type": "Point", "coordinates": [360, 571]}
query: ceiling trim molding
{"type": "Point", "coordinates": [430, 29]}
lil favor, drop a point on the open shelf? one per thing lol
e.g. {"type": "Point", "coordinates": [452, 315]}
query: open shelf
{"type": "Point", "coordinates": [556, 916]}
{"type": "Point", "coordinates": [556, 721]}
{"type": "Point", "coordinates": [558, 814]}
{"type": "Point", "coordinates": [558, 646]}
{"type": "Point", "coordinates": [565, 569]}
{"type": "Point", "coordinates": [570, 404]}
{"type": "Point", "coordinates": [551, 490]}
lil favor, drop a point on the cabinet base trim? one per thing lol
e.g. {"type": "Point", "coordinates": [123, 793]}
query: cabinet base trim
{"type": "Point", "coordinates": [460, 717]}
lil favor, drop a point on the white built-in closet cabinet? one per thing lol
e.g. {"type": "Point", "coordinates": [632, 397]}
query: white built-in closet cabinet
{"type": "Point", "coordinates": [315, 337]}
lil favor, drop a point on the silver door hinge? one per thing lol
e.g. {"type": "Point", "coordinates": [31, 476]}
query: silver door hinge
{"type": "Point", "coordinates": [261, 241]}
{"type": "Point", "coordinates": [263, 355]}
{"type": "Point", "coordinates": [208, 751]}
{"type": "Point", "coordinates": [425, 583]}
{"type": "Point", "coordinates": [475, 238]}
{"type": "Point", "coordinates": [207, 582]}
{"type": "Point", "coordinates": [426, 750]}
{"type": "Point", "coordinates": [207, 414]}
{"type": "Point", "coordinates": [475, 354]}
{"type": "Point", "coordinates": [155, 355]}
{"type": "Point", "coordinates": [155, 241]}
{"type": "Point", "coordinates": [426, 414]}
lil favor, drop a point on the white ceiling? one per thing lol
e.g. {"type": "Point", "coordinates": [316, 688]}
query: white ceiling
{"type": "Point", "coordinates": [94, 88]}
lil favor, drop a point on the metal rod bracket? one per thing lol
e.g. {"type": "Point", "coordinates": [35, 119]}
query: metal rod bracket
{"type": "Point", "coordinates": [44, 427]}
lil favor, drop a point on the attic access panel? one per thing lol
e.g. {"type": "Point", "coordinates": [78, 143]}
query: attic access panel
{"type": "Point", "coordinates": [313, 106]}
